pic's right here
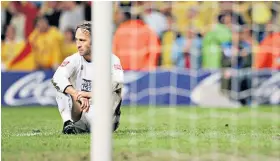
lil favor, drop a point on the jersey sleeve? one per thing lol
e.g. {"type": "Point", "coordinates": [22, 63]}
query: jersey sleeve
{"type": "Point", "coordinates": [117, 74]}
{"type": "Point", "coordinates": [61, 77]}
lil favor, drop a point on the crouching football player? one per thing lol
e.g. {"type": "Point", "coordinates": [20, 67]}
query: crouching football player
{"type": "Point", "coordinates": [72, 80]}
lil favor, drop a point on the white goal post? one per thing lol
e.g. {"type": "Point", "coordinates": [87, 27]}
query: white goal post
{"type": "Point", "coordinates": [102, 29]}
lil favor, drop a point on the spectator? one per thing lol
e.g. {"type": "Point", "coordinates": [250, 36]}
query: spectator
{"type": "Point", "coordinates": [186, 50]}
{"type": "Point", "coordinates": [136, 45]}
{"type": "Point", "coordinates": [211, 46]}
{"type": "Point", "coordinates": [170, 22]}
{"type": "Point", "coordinates": [30, 11]}
{"type": "Point", "coordinates": [229, 16]}
{"type": "Point", "coordinates": [11, 48]}
{"type": "Point", "coordinates": [165, 7]}
{"type": "Point", "coordinates": [206, 17]}
{"type": "Point", "coordinates": [3, 17]}
{"type": "Point", "coordinates": [248, 37]}
{"type": "Point", "coordinates": [155, 19]}
{"type": "Point", "coordinates": [69, 45]}
{"type": "Point", "coordinates": [237, 55]}
{"type": "Point", "coordinates": [87, 10]}
{"type": "Point", "coordinates": [38, 4]}
{"type": "Point", "coordinates": [167, 40]}
{"type": "Point", "coordinates": [260, 15]}
{"type": "Point", "coordinates": [46, 42]}
{"type": "Point", "coordinates": [268, 55]}
{"type": "Point", "coordinates": [72, 14]}
{"type": "Point", "coordinates": [119, 17]}
{"type": "Point", "coordinates": [126, 5]}
{"type": "Point", "coordinates": [51, 9]}
{"type": "Point", "coordinates": [228, 23]}
{"type": "Point", "coordinates": [179, 11]}
{"type": "Point", "coordinates": [18, 20]}
{"type": "Point", "coordinates": [194, 20]}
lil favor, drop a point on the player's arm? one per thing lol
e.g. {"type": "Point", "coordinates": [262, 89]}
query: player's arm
{"type": "Point", "coordinates": [84, 103]}
{"type": "Point", "coordinates": [62, 84]}
{"type": "Point", "coordinates": [83, 94]}
{"type": "Point", "coordinates": [72, 91]}
{"type": "Point", "coordinates": [61, 77]}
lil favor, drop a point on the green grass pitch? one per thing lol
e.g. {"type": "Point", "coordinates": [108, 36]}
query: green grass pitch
{"type": "Point", "coordinates": [148, 133]}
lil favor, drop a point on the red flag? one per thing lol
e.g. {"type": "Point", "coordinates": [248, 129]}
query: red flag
{"type": "Point", "coordinates": [24, 53]}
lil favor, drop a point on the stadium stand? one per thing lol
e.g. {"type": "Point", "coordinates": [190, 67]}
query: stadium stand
{"type": "Point", "coordinates": [192, 37]}
{"type": "Point", "coordinates": [215, 23]}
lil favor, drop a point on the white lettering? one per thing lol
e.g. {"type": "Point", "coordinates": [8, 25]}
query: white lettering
{"type": "Point", "coordinates": [31, 89]}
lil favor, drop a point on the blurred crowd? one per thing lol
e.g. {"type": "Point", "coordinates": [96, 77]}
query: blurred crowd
{"type": "Point", "coordinates": [197, 35]}
{"type": "Point", "coordinates": [39, 35]}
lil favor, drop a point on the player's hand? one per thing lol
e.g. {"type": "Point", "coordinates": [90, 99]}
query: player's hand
{"type": "Point", "coordinates": [84, 102]}
{"type": "Point", "coordinates": [83, 94]}
{"type": "Point", "coordinates": [86, 109]}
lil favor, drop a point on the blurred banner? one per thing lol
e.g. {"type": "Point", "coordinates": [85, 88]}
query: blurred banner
{"type": "Point", "coordinates": [161, 87]}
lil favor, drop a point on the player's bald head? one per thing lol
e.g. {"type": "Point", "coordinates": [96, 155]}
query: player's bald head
{"type": "Point", "coordinates": [85, 27]}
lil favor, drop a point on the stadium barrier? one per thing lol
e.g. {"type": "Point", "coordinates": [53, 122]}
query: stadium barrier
{"type": "Point", "coordinates": [160, 87]}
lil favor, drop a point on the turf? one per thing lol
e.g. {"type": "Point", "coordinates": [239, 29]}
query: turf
{"type": "Point", "coordinates": [34, 133]}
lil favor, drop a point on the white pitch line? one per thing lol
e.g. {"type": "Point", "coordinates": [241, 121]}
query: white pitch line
{"type": "Point", "coordinates": [34, 134]}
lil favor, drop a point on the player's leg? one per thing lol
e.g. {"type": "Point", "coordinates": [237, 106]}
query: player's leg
{"type": "Point", "coordinates": [82, 125]}
{"type": "Point", "coordinates": [71, 114]}
{"type": "Point", "coordinates": [88, 116]}
{"type": "Point", "coordinates": [79, 119]}
{"type": "Point", "coordinates": [64, 103]}
{"type": "Point", "coordinates": [117, 98]}
{"type": "Point", "coordinates": [117, 116]}
{"type": "Point", "coordinates": [76, 112]}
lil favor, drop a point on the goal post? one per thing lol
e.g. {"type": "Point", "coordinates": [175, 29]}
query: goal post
{"type": "Point", "coordinates": [101, 132]}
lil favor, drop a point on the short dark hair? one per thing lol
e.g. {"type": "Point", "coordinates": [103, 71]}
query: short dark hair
{"type": "Point", "coordinates": [43, 17]}
{"type": "Point", "coordinates": [86, 25]}
{"type": "Point", "coordinates": [72, 32]}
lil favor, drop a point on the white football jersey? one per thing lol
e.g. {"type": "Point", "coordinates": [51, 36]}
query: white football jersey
{"type": "Point", "coordinates": [77, 72]}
